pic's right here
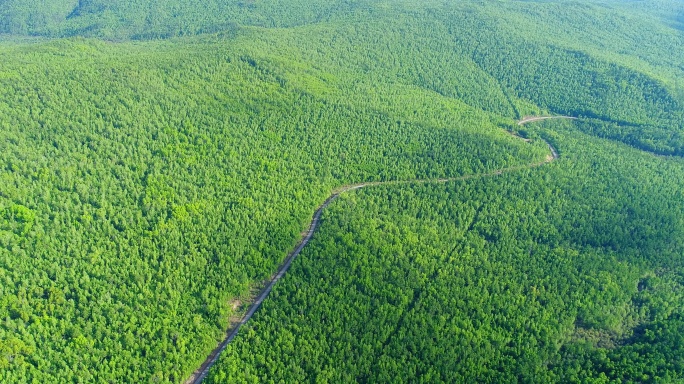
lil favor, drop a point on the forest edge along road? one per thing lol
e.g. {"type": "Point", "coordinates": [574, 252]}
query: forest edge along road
{"type": "Point", "coordinates": [529, 119]}
{"type": "Point", "coordinates": [202, 372]}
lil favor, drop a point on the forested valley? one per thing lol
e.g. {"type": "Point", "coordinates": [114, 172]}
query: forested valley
{"type": "Point", "coordinates": [160, 159]}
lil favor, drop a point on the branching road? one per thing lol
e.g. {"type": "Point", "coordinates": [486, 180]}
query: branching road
{"type": "Point", "coordinates": [202, 372]}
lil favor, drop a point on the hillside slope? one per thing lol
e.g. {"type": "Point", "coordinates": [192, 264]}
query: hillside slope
{"type": "Point", "coordinates": [159, 159]}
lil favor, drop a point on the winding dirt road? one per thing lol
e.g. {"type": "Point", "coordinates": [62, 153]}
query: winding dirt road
{"type": "Point", "coordinates": [529, 119]}
{"type": "Point", "coordinates": [202, 372]}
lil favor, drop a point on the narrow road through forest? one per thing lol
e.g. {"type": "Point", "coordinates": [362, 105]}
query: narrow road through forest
{"type": "Point", "coordinates": [203, 370]}
{"type": "Point", "coordinates": [529, 119]}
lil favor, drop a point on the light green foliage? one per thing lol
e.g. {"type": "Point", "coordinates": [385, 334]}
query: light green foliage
{"type": "Point", "coordinates": [147, 183]}
{"type": "Point", "coordinates": [143, 189]}
{"type": "Point", "coordinates": [540, 276]}
{"type": "Point", "coordinates": [151, 19]}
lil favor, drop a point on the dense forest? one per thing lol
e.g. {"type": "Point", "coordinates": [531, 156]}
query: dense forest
{"type": "Point", "coordinates": [159, 159]}
{"type": "Point", "coordinates": [556, 274]}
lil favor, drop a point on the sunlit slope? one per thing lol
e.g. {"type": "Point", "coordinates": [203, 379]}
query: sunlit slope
{"type": "Point", "coordinates": [521, 60]}
{"type": "Point", "coordinates": [146, 185]}
{"type": "Point", "coordinates": [602, 61]}
{"type": "Point", "coordinates": [565, 273]}
{"type": "Point", "coordinates": [619, 62]}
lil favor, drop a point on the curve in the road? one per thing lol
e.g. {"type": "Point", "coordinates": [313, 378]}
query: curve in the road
{"type": "Point", "coordinates": [202, 372]}
{"type": "Point", "coordinates": [529, 119]}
